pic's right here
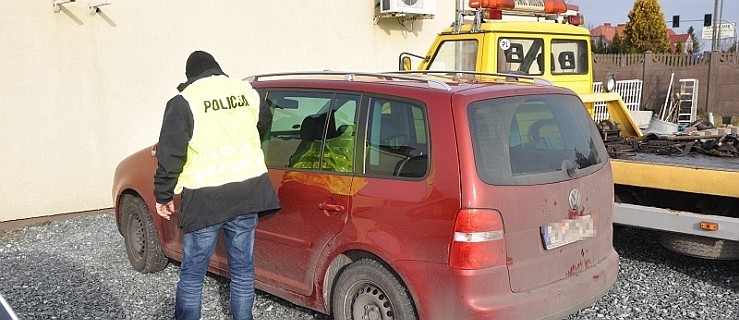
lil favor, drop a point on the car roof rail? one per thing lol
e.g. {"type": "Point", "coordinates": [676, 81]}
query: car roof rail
{"type": "Point", "coordinates": [351, 76]}
{"type": "Point", "coordinates": [476, 76]}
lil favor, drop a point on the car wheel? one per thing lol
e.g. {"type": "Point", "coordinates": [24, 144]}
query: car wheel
{"type": "Point", "coordinates": [367, 290]}
{"type": "Point", "coordinates": [140, 236]}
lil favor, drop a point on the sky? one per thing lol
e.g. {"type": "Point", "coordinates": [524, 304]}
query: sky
{"type": "Point", "coordinates": [616, 12]}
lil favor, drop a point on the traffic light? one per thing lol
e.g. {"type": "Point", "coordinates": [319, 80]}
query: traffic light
{"type": "Point", "coordinates": [707, 20]}
{"type": "Point", "coordinates": [675, 21]}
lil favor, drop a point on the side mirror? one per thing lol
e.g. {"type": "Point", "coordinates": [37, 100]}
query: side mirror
{"type": "Point", "coordinates": [406, 65]}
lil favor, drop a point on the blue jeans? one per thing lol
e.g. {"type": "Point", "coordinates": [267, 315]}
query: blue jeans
{"type": "Point", "coordinates": [198, 248]}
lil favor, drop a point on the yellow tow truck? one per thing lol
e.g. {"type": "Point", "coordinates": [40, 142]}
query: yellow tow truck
{"type": "Point", "coordinates": [691, 199]}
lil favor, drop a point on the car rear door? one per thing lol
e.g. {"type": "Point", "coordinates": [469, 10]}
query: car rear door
{"type": "Point", "coordinates": [309, 150]}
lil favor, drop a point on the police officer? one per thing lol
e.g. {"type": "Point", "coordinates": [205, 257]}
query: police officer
{"type": "Point", "coordinates": [209, 151]}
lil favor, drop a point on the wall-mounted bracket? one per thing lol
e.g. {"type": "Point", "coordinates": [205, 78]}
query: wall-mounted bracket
{"type": "Point", "coordinates": [57, 4]}
{"type": "Point", "coordinates": [96, 4]}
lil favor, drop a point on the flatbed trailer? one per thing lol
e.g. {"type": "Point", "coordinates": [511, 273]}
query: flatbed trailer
{"type": "Point", "coordinates": [693, 199]}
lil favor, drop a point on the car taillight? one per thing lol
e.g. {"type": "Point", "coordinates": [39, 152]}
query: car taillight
{"type": "Point", "coordinates": [478, 240]}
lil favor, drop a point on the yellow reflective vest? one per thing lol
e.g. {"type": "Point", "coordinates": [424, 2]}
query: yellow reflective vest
{"type": "Point", "coordinates": [225, 145]}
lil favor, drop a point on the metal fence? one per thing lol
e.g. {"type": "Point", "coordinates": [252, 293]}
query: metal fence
{"type": "Point", "coordinates": [717, 74]}
{"type": "Point", "coordinates": [630, 92]}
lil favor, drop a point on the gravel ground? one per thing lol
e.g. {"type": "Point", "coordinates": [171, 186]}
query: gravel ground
{"type": "Point", "coordinates": [77, 269]}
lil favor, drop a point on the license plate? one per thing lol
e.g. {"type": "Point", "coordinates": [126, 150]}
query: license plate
{"type": "Point", "coordinates": [557, 234]}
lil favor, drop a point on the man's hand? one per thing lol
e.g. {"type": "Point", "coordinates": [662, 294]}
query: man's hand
{"type": "Point", "coordinates": [165, 210]}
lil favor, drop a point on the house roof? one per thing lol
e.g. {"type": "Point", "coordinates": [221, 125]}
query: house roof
{"type": "Point", "coordinates": [679, 37]}
{"type": "Point", "coordinates": [607, 31]}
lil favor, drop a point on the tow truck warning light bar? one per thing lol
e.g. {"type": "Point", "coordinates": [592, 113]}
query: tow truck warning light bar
{"type": "Point", "coordinates": [545, 6]}
{"type": "Point", "coordinates": [493, 9]}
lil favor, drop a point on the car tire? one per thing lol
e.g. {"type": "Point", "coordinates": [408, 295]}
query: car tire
{"type": "Point", "coordinates": [367, 290]}
{"type": "Point", "coordinates": [700, 247]}
{"type": "Point", "coordinates": [140, 236]}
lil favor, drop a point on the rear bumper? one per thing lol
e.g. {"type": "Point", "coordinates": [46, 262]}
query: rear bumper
{"type": "Point", "coordinates": [441, 293]}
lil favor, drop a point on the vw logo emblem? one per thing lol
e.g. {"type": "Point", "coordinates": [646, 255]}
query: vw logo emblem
{"type": "Point", "coordinates": [575, 199]}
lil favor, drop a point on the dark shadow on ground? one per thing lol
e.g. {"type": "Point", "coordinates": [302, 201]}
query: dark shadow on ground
{"type": "Point", "coordinates": [47, 286]}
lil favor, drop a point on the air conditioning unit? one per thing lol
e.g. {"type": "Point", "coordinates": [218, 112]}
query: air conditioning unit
{"type": "Point", "coordinates": [419, 7]}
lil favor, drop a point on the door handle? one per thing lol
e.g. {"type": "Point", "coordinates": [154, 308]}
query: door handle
{"type": "Point", "coordinates": [326, 207]}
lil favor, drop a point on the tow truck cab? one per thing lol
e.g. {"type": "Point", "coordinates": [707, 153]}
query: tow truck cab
{"type": "Point", "coordinates": [541, 38]}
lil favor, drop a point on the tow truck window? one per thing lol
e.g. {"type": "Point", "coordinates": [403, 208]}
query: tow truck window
{"type": "Point", "coordinates": [521, 55]}
{"type": "Point", "coordinates": [569, 57]}
{"type": "Point", "coordinates": [458, 55]}
{"type": "Point", "coordinates": [534, 139]}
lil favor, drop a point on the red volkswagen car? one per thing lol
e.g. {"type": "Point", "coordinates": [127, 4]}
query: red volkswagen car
{"type": "Point", "coordinates": [414, 196]}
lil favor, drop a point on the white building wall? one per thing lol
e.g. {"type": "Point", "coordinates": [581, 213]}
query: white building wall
{"type": "Point", "coordinates": [80, 92]}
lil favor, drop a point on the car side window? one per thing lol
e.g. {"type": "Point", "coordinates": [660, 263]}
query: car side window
{"type": "Point", "coordinates": [310, 130]}
{"type": "Point", "coordinates": [337, 150]}
{"type": "Point", "coordinates": [397, 143]}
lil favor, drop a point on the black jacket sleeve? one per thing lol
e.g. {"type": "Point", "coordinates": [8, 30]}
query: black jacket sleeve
{"type": "Point", "coordinates": [176, 132]}
{"type": "Point", "coordinates": [265, 117]}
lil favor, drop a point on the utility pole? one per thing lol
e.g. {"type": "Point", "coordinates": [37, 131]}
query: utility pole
{"type": "Point", "coordinates": [715, 25]}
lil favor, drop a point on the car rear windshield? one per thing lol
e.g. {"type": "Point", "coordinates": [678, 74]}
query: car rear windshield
{"type": "Point", "coordinates": [534, 139]}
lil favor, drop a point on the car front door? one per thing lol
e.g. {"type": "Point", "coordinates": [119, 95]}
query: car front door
{"type": "Point", "coordinates": [309, 149]}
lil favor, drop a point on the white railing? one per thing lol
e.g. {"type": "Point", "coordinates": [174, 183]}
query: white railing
{"type": "Point", "coordinates": [630, 92]}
